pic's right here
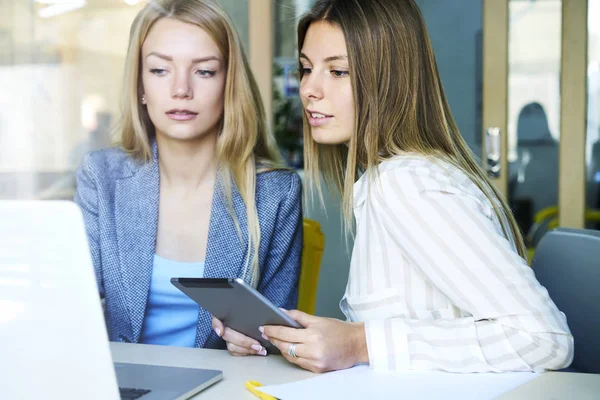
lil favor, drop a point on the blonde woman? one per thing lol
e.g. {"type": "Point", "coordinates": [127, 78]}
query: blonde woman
{"type": "Point", "coordinates": [438, 279]}
{"type": "Point", "coordinates": [196, 187]}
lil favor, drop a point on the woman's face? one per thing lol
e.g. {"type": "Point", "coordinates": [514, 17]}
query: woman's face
{"type": "Point", "coordinates": [325, 89]}
{"type": "Point", "coordinates": [183, 77]}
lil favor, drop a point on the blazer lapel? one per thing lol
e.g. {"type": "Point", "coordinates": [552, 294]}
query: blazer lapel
{"type": "Point", "coordinates": [225, 252]}
{"type": "Point", "coordinates": [136, 210]}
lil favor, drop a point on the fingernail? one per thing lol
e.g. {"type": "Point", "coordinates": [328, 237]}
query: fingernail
{"type": "Point", "coordinates": [218, 332]}
{"type": "Point", "coordinates": [256, 347]}
{"type": "Point", "coordinates": [261, 329]}
{"type": "Point", "coordinates": [263, 352]}
{"type": "Point", "coordinates": [265, 337]}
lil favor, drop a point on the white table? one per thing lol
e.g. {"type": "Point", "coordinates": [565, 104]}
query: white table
{"type": "Point", "coordinates": [236, 370]}
{"type": "Point", "coordinates": [558, 385]}
{"type": "Point", "coordinates": [275, 369]}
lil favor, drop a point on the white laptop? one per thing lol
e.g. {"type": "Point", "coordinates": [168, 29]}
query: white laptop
{"type": "Point", "coordinates": [53, 340]}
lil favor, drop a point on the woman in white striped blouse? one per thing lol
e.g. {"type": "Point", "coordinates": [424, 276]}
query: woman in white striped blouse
{"type": "Point", "coordinates": [438, 279]}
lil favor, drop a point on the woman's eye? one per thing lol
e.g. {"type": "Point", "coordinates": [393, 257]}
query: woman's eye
{"type": "Point", "coordinates": [339, 73]}
{"type": "Point", "coordinates": [205, 73]}
{"type": "Point", "coordinates": [158, 71]}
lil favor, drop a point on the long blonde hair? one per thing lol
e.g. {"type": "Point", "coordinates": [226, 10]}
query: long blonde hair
{"type": "Point", "coordinates": [245, 145]}
{"type": "Point", "coordinates": [400, 105]}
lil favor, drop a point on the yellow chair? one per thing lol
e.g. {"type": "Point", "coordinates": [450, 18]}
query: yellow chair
{"type": "Point", "coordinates": [547, 219]}
{"type": "Point", "coordinates": [312, 252]}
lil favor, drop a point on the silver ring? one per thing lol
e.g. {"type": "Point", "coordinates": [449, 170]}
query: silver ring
{"type": "Point", "coordinates": [292, 350]}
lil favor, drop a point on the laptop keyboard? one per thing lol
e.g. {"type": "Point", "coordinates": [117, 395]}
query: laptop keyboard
{"type": "Point", "coordinates": [132, 394]}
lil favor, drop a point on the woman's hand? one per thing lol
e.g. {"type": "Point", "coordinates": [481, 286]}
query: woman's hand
{"type": "Point", "coordinates": [325, 344]}
{"type": "Point", "coordinates": [237, 343]}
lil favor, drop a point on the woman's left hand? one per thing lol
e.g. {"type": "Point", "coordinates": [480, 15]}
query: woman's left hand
{"type": "Point", "coordinates": [326, 344]}
{"type": "Point", "coordinates": [237, 343]}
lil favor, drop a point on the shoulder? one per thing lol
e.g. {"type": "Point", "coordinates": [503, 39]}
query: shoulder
{"type": "Point", "coordinates": [422, 174]}
{"type": "Point", "coordinates": [413, 178]}
{"type": "Point", "coordinates": [280, 184]}
{"type": "Point", "coordinates": [111, 163]}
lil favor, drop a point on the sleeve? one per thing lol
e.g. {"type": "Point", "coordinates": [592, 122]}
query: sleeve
{"type": "Point", "coordinates": [507, 321]}
{"type": "Point", "coordinates": [86, 197]}
{"type": "Point", "coordinates": [281, 270]}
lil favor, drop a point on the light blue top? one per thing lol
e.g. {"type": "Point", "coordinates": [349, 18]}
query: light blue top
{"type": "Point", "coordinates": [171, 317]}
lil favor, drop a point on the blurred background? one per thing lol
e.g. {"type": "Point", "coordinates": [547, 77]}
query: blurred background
{"type": "Point", "coordinates": [522, 78]}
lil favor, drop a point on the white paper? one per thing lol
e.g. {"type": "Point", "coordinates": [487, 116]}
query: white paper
{"type": "Point", "coordinates": [362, 382]}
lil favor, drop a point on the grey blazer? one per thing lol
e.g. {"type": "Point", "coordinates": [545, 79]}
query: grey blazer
{"type": "Point", "coordinates": [119, 199]}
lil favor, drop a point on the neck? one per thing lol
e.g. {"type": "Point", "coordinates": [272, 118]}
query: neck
{"type": "Point", "coordinates": [187, 164]}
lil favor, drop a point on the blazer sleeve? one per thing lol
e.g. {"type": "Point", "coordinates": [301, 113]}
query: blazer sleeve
{"type": "Point", "coordinates": [86, 198]}
{"type": "Point", "coordinates": [281, 270]}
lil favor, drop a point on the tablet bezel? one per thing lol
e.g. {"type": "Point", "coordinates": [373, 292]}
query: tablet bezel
{"type": "Point", "coordinates": [238, 305]}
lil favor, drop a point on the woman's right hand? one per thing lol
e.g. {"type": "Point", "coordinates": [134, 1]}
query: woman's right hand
{"type": "Point", "coordinates": [238, 344]}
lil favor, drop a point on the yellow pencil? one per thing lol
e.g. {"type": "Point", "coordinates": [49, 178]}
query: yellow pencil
{"type": "Point", "coordinates": [253, 385]}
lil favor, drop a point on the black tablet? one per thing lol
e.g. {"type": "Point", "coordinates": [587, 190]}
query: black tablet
{"type": "Point", "coordinates": [238, 305]}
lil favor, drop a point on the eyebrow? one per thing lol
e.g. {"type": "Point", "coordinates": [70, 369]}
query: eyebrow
{"type": "Point", "coordinates": [194, 61]}
{"type": "Point", "coordinates": [328, 59]}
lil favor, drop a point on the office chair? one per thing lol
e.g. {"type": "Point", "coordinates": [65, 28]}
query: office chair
{"type": "Point", "coordinates": [535, 180]}
{"type": "Point", "coordinates": [567, 263]}
{"type": "Point", "coordinates": [546, 220]}
{"type": "Point", "coordinates": [312, 252]}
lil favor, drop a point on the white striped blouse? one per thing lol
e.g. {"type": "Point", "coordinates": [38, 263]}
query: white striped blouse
{"type": "Point", "coordinates": [437, 283]}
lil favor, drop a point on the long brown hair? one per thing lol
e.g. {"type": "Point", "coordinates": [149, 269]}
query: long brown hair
{"type": "Point", "coordinates": [400, 105]}
{"type": "Point", "coordinates": [245, 145]}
